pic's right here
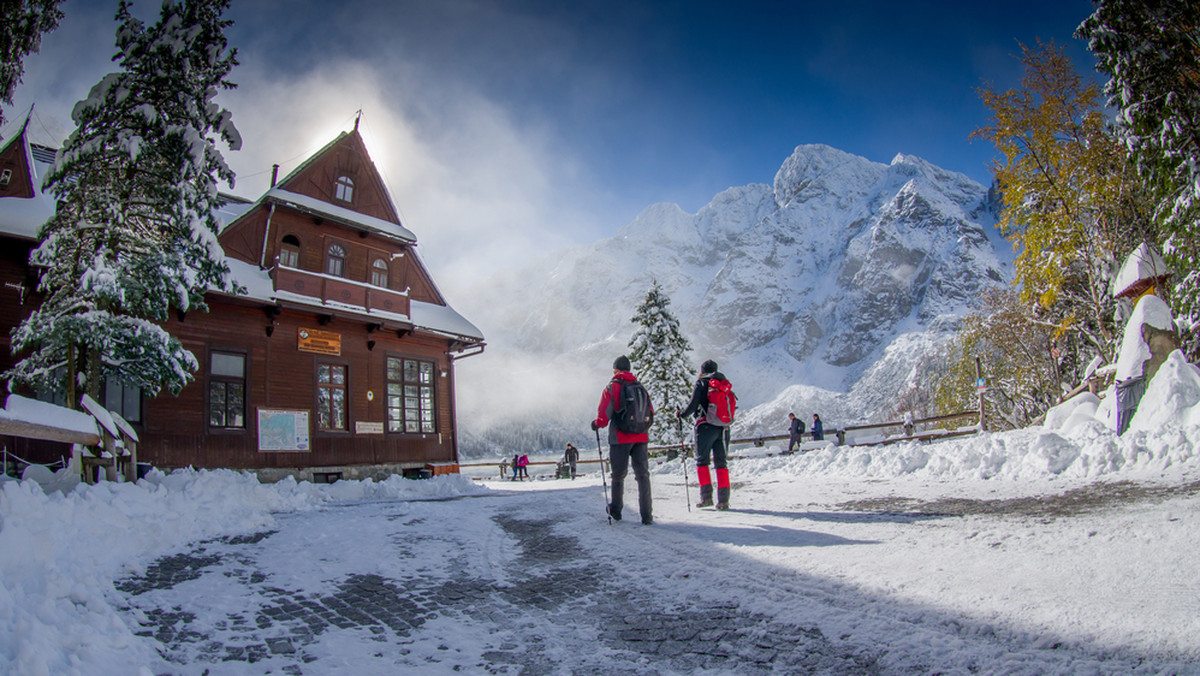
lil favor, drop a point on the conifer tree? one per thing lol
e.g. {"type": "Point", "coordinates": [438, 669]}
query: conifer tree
{"type": "Point", "coordinates": [659, 354]}
{"type": "Point", "coordinates": [133, 237]}
{"type": "Point", "coordinates": [22, 23]}
{"type": "Point", "coordinates": [1151, 51]}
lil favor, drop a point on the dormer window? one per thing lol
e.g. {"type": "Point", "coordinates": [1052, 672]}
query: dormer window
{"type": "Point", "coordinates": [289, 252]}
{"type": "Point", "coordinates": [344, 189]}
{"type": "Point", "coordinates": [335, 261]}
{"type": "Point", "coordinates": [379, 272]}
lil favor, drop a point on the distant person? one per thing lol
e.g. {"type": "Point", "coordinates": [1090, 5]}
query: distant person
{"type": "Point", "coordinates": [503, 467]}
{"type": "Point", "coordinates": [523, 461]}
{"type": "Point", "coordinates": [516, 466]}
{"type": "Point", "coordinates": [626, 445]}
{"type": "Point", "coordinates": [818, 431]}
{"type": "Point", "coordinates": [711, 394]}
{"type": "Point", "coordinates": [795, 432]}
{"type": "Point", "coordinates": [572, 458]}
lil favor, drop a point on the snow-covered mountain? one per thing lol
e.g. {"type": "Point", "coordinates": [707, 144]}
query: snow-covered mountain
{"type": "Point", "coordinates": [824, 289]}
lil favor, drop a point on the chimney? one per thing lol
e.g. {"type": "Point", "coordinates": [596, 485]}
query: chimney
{"type": "Point", "coordinates": [274, 174]}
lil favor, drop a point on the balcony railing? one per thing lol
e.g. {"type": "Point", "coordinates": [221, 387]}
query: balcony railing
{"type": "Point", "coordinates": [330, 289]}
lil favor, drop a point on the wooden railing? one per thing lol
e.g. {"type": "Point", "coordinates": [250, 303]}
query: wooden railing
{"type": "Point", "coordinates": [334, 290]}
{"type": "Point", "coordinates": [108, 443]}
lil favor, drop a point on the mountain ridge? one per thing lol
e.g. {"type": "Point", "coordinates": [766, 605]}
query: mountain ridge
{"type": "Point", "coordinates": [836, 274]}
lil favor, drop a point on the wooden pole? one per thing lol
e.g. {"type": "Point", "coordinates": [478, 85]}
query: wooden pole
{"type": "Point", "coordinates": [979, 389]}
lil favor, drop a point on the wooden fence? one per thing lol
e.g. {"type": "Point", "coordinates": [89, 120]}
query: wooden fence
{"type": "Point", "coordinates": [108, 445]}
{"type": "Point", "coordinates": [906, 431]}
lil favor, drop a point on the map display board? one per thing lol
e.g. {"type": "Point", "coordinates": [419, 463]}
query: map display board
{"type": "Point", "coordinates": [282, 430]}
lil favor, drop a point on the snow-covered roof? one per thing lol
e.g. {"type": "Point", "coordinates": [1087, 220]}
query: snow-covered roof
{"type": "Point", "coordinates": [23, 217]}
{"type": "Point", "coordinates": [1143, 268]}
{"type": "Point", "coordinates": [441, 319]}
{"type": "Point", "coordinates": [24, 409]}
{"type": "Point", "coordinates": [341, 214]}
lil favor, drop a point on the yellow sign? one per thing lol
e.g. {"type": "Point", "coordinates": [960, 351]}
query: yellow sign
{"type": "Point", "coordinates": [320, 342]}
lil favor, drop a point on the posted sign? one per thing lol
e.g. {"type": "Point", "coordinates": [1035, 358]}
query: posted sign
{"type": "Point", "coordinates": [319, 342]}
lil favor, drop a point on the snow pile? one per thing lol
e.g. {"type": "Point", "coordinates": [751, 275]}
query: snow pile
{"type": "Point", "coordinates": [1150, 310]}
{"type": "Point", "coordinates": [59, 553]}
{"type": "Point", "coordinates": [1076, 442]}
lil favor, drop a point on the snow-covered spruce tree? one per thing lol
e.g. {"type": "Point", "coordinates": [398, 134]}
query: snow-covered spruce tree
{"type": "Point", "coordinates": [659, 354]}
{"type": "Point", "coordinates": [1150, 50]}
{"type": "Point", "coordinates": [133, 236]}
{"type": "Point", "coordinates": [22, 23]}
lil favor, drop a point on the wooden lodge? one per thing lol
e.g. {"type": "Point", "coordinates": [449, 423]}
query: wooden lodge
{"type": "Point", "coordinates": [339, 360]}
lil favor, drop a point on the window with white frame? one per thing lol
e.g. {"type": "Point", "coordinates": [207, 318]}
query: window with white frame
{"type": "Point", "coordinates": [289, 252]}
{"type": "Point", "coordinates": [379, 272]}
{"type": "Point", "coordinates": [343, 189]}
{"type": "Point", "coordinates": [335, 260]}
{"type": "Point", "coordinates": [410, 396]}
{"type": "Point", "coordinates": [227, 390]}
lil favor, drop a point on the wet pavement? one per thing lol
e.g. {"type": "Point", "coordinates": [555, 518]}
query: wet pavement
{"type": "Point", "coordinates": [609, 622]}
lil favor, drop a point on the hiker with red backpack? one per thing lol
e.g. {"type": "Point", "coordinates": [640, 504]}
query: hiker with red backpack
{"type": "Point", "coordinates": [713, 403]}
{"type": "Point", "coordinates": [627, 406]}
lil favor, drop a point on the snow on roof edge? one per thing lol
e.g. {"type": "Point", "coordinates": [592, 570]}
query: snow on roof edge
{"type": "Point", "coordinates": [342, 214]}
{"type": "Point", "coordinates": [427, 316]}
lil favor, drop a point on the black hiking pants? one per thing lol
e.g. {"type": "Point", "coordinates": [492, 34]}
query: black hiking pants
{"type": "Point", "coordinates": [711, 441]}
{"type": "Point", "coordinates": [621, 456]}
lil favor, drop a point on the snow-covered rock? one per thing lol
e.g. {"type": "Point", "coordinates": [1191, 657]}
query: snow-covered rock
{"type": "Point", "coordinates": [809, 281]}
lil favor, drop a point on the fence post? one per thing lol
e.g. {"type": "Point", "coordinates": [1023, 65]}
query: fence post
{"type": "Point", "coordinates": [979, 389]}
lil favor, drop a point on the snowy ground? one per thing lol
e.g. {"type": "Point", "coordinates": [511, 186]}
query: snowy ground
{"type": "Point", "coordinates": [1064, 550]}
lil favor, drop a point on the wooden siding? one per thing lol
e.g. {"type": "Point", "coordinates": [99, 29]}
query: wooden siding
{"type": "Point", "coordinates": [20, 178]}
{"type": "Point", "coordinates": [347, 156]}
{"type": "Point", "coordinates": [280, 376]}
{"type": "Point", "coordinates": [15, 271]}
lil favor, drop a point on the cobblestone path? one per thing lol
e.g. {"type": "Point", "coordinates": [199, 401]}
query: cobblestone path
{"type": "Point", "coordinates": [605, 622]}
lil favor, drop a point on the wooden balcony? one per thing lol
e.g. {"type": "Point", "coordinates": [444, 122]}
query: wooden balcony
{"type": "Point", "coordinates": [329, 289]}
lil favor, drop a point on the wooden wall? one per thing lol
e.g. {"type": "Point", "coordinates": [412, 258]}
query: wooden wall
{"type": "Point", "coordinates": [280, 376]}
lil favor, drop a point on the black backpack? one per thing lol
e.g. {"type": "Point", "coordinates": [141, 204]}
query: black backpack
{"type": "Point", "coordinates": [635, 413]}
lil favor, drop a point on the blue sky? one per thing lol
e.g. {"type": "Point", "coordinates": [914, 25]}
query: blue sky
{"type": "Point", "coordinates": [506, 126]}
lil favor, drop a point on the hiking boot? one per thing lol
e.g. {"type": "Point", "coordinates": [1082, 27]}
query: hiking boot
{"type": "Point", "coordinates": [707, 502]}
{"type": "Point", "coordinates": [616, 516]}
{"type": "Point", "coordinates": [722, 506]}
{"type": "Point", "coordinates": [648, 521]}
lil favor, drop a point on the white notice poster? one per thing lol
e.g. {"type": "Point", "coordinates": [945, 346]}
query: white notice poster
{"type": "Point", "coordinates": [282, 430]}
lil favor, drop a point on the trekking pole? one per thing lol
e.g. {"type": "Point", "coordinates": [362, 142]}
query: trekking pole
{"type": "Point", "coordinates": [683, 463]}
{"type": "Point", "coordinates": [602, 479]}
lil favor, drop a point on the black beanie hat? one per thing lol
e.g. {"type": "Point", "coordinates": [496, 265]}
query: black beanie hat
{"type": "Point", "coordinates": [622, 363]}
{"type": "Point", "coordinates": [709, 366]}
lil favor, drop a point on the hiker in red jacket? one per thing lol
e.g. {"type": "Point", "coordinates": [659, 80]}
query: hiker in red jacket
{"type": "Point", "coordinates": [712, 434]}
{"type": "Point", "coordinates": [624, 447]}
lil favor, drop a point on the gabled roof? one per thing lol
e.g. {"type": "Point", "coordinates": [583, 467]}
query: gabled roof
{"type": "Point", "coordinates": [22, 216]}
{"type": "Point", "coordinates": [354, 139]}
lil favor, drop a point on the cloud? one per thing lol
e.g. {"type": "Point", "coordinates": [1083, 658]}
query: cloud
{"type": "Point", "coordinates": [479, 187]}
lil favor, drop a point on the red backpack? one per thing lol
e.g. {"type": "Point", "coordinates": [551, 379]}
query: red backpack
{"type": "Point", "coordinates": [722, 403]}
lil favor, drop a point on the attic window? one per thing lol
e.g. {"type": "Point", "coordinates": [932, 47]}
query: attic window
{"type": "Point", "coordinates": [344, 189]}
{"type": "Point", "coordinates": [289, 252]}
{"type": "Point", "coordinates": [335, 261]}
{"type": "Point", "coordinates": [5, 176]}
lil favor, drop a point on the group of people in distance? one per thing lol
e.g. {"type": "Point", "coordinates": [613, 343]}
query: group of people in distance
{"type": "Point", "coordinates": [796, 431]}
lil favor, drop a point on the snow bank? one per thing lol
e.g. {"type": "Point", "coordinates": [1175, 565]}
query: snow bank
{"type": "Point", "coordinates": [1074, 443]}
{"type": "Point", "coordinates": [60, 553]}
{"type": "Point", "coordinates": [1150, 310]}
